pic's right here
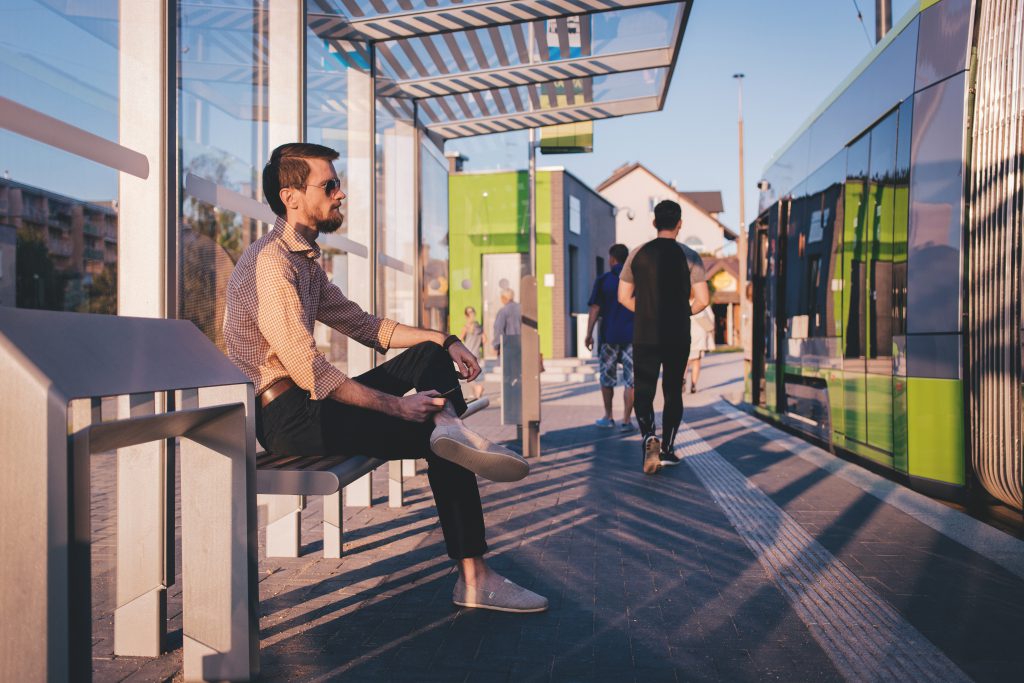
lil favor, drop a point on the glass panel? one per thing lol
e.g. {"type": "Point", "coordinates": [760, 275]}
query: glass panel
{"type": "Point", "coordinates": [613, 87]}
{"type": "Point", "coordinates": [222, 100]}
{"type": "Point", "coordinates": [434, 241]}
{"type": "Point", "coordinates": [855, 212]}
{"type": "Point", "coordinates": [901, 218]}
{"type": "Point", "coordinates": [396, 217]}
{"type": "Point", "coordinates": [329, 64]}
{"type": "Point", "coordinates": [880, 214]}
{"type": "Point", "coordinates": [600, 34]}
{"type": "Point", "coordinates": [942, 47]}
{"type": "Point", "coordinates": [58, 211]}
{"type": "Point", "coordinates": [358, 9]}
{"type": "Point", "coordinates": [936, 196]}
{"type": "Point", "coordinates": [824, 247]}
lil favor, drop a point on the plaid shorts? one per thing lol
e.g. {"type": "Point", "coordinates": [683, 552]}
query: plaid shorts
{"type": "Point", "coordinates": [611, 356]}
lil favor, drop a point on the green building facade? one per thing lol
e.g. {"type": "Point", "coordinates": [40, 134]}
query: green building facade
{"type": "Point", "coordinates": [489, 247]}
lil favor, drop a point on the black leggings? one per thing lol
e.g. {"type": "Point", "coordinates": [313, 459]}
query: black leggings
{"type": "Point", "coordinates": [293, 424]}
{"type": "Point", "coordinates": [647, 361]}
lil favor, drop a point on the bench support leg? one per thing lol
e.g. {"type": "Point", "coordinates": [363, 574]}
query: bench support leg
{"type": "Point", "coordinates": [360, 492]}
{"type": "Point", "coordinates": [140, 614]}
{"type": "Point", "coordinates": [284, 532]}
{"type": "Point", "coordinates": [333, 526]}
{"type": "Point", "coordinates": [218, 537]}
{"type": "Point", "coordinates": [395, 487]}
{"type": "Point", "coordinates": [409, 468]}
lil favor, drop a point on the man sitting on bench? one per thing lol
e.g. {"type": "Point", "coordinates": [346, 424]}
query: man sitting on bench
{"type": "Point", "coordinates": [307, 407]}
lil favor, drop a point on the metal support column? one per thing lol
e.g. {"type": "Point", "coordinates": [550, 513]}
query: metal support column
{"type": "Point", "coordinates": [530, 341]}
{"type": "Point", "coordinates": [147, 287]}
{"type": "Point", "coordinates": [361, 219]}
{"type": "Point", "coordinates": [286, 92]}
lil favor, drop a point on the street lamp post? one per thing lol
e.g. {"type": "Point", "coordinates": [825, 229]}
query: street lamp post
{"type": "Point", "coordinates": [742, 246]}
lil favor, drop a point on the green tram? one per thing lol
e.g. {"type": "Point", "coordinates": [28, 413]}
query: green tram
{"type": "Point", "coordinates": [885, 263]}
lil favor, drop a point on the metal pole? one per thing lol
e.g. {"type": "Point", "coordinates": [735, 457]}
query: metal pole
{"type": "Point", "coordinates": [742, 241]}
{"type": "Point", "coordinates": [532, 192]}
{"type": "Point", "coordinates": [883, 18]}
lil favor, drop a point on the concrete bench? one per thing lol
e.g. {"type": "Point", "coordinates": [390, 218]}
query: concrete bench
{"type": "Point", "coordinates": [283, 482]}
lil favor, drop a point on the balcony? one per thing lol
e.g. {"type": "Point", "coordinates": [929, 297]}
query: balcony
{"type": "Point", "coordinates": [92, 254]}
{"type": "Point", "coordinates": [91, 229]}
{"type": "Point", "coordinates": [58, 248]}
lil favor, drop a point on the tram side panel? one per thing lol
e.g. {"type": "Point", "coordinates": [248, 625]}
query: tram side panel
{"type": "Point", "coordinates": [859, 332]}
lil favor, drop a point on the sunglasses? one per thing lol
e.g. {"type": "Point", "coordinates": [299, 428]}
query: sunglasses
{"type": "Point", "coordinates": [330, 187]}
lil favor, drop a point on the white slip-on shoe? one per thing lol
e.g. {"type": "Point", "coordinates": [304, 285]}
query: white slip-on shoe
{"type": "Point", "coordinates": [462, 446]}
{"type": "Point", "coordinates": [505, 596]}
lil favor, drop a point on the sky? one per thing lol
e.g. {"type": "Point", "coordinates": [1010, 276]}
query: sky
{"type": "Point", "coordinates": [793, 53]}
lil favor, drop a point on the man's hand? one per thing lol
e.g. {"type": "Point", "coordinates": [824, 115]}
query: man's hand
{"type": "Point", "coordinates": [465, 361]}
{"type": "Point", "coordinates": [421, 406]}
{"type": "Point", "coordinates": [593, 315]}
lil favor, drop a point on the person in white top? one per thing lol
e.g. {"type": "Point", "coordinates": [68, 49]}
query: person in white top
{"type": "Point", "coordinates": [702, 339]}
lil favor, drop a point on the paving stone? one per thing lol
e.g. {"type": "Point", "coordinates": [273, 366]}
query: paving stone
{"type": "Point", "coordinates": [647, 579]}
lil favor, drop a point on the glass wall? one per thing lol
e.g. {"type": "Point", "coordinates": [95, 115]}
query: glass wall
{"type": "Point", "coordinates": [58, 211]}
{"type": "Point", "coordinates": [328, 65]}
{"type": "Point", "coordinates": [223, 146]}
{"type": "Point", "coordinates": [433, 242]}
{"type": "Point", "coordinates": [396, 143]}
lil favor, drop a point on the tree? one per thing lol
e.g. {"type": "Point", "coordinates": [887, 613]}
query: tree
{"type": "Point", "coordinates": [38, 284]}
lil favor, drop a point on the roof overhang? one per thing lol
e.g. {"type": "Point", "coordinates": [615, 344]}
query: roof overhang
{"type": "Point", "coordinates": [489, 66]}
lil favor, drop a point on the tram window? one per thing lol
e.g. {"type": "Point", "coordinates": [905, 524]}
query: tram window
{"type": "Point", "coordinates": [936, 211]}
{"type": "Point", "coordinates": [881, 196]}
{"type": "Point", "coordinates": [796, 231]}
{"type": "Point", "coordinates": [942, 44]}
{"type": "Point", "coordinates": [901, 217]}
{"type": "Point", "coordinates": [855, 208]}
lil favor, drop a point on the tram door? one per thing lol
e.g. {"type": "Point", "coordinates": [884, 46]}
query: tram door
{"type": "Point", "coordinates": [879, 313]}
{"type": "Point", "coordinates": [868, 291]}
{"type": "Point", "coordinates": [855, 220]}
{"type": "Point", "coordinates": [760, 323]}
{"type": "Point", "coordinates": [778, 221]}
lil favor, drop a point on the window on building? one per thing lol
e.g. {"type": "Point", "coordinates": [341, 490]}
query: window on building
{"type": "Point", "coordinates": [575, 218]}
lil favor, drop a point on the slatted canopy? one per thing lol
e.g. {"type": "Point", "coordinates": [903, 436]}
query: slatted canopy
{"type": "Point", "coordinates": [474, 67]}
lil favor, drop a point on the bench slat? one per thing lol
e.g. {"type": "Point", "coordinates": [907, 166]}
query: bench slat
{"type": "Point", "coordinates": [330, 476]}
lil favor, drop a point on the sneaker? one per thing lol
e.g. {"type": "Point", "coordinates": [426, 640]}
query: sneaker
{"type": "Point", "coordinates": [462, 446]}
{"type": "Point", "coordinates": [627, 426]}
{"type": "Point", "coordinates": [652, 455]}
{"type": "Point", "coordinates": [503, 596]}
{"type": "Point", "coordinates": [670, 459]}
{"type": "Point", "coordinates": [605, 422]}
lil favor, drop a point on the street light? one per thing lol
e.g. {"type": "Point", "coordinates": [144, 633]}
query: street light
{"type": "Point", "coordinates": [742, 246]}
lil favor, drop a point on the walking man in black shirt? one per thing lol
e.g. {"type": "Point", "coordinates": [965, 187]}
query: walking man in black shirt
{"type": "Point", "coordinates": [664, 283]}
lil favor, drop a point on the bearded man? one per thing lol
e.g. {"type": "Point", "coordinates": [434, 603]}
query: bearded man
{"type": "Point", "coordinates": [308, 407]}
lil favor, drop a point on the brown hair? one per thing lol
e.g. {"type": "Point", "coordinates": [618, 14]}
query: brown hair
{"type": "Point", "coordinates": [288, 168]}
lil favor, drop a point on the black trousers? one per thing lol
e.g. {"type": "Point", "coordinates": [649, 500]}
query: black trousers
{"type": "Point", "coordinates": [293, 424]}
{"type": "Point", "coordinates": [647, 361]}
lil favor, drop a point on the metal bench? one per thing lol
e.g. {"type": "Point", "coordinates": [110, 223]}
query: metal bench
{"type": "Point", "coordinates": [283, 482]}
{"type": "Point", "coordinates": [171, 383]}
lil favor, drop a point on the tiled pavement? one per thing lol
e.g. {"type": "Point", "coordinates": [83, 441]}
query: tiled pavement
{"type": "Point", "coordinates": [647, 578]}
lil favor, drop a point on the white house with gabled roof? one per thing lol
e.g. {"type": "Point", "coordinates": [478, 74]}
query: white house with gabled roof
{"type": "Point", "coordinates": [635, 191]}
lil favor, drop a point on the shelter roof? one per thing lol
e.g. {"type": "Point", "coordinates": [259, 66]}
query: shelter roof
{"type": "Point", "coordinates": [485, 66]}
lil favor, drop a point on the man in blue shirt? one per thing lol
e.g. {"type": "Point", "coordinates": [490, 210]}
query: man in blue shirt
{"type": "Point", "coordinates": [616, 338]}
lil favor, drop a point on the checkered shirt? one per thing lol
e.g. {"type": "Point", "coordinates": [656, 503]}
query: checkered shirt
{"type": "Point", "coordinates": [276, 292]}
